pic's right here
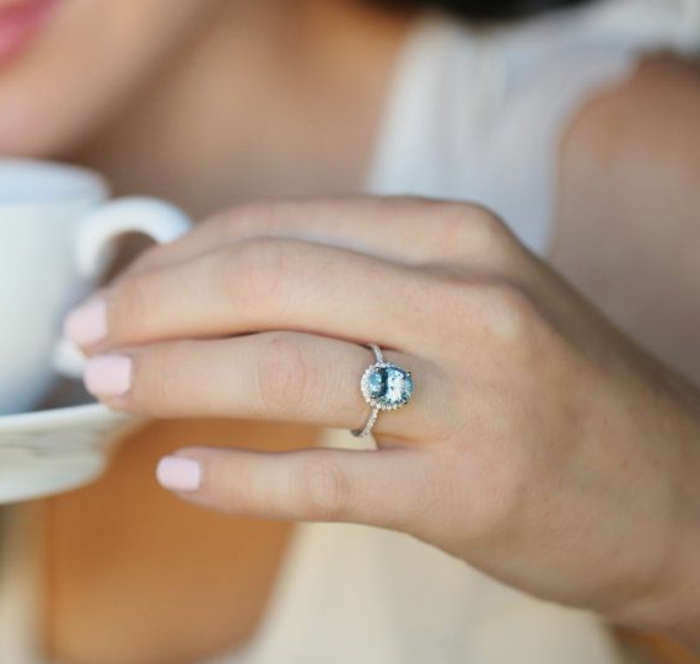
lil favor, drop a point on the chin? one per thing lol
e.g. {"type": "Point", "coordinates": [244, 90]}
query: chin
{"type": "Point", "coordinates": [36, 135]}
{"type": "Point", "coordinates": [72, 74]}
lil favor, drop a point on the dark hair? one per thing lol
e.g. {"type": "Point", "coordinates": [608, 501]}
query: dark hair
{"type": "Point", "coordinates": [486, 9]}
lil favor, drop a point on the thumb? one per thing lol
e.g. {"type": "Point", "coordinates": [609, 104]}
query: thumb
{"type": "Point", "coordinates": [381, 488]}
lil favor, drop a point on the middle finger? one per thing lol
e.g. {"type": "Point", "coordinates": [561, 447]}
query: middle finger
{"type": "Point", "coordinates": [402, 229]}
{"type": "Point", "coordinates": [264, 284]}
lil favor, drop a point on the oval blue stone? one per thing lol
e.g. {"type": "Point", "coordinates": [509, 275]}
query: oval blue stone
{"type": "Point", "coordinates": [390, 386]}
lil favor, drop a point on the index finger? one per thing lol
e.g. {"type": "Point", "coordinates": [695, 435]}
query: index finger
{"type": "Point", "coordinates": [401, 229]}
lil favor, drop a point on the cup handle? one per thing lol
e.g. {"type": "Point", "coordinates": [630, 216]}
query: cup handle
{"type": "Point", "coordinates": [161, 221]}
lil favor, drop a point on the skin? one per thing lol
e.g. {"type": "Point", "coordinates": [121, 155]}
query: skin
{"type": "Point", "coordinates": [154, 81]}
{"type": "Point", "coordinates": [444, 471]}
{"type": "Point", "coordinates": [116, 47]}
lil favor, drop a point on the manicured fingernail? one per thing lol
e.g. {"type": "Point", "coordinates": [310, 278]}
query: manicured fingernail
{"type": "Point", "coordinates": [88, 323]}
{"type": "Point", "coordinates": [178, 474]}
{"type": "Point", "coordinates": [108, 375]}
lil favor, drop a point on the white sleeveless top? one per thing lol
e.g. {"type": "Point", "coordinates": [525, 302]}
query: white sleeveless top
{"type": "Point", "coordinates": [472, 114]}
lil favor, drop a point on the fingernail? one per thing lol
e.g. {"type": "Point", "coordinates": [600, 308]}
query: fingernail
{"type": "Point", "coordinates": [178, 474]}
{"type": "Point", "coordinates": [108, 375]}
{"type": "Point", "coordinates": [88, 323]}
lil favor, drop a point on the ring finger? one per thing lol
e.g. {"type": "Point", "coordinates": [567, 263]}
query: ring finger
{"type": "Point", "coordinates": [276, 375]}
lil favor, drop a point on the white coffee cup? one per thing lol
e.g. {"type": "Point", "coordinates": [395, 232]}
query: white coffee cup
{"type": "Point", "coordinates": [57, 234]}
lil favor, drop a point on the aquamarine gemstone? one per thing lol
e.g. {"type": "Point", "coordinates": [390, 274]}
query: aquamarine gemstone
{"type": "Point", "coordinates": [390, 386]}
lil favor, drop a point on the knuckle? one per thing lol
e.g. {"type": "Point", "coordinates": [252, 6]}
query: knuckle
{"type": "Point", "coordinates": [248, 218]}
{"type": "Point", "coordinates": [408, 203]}
{"type": "Point", "coordinates": [513, 320]}
{"type": "Point", "coordinates": [525, 336]}
{"type": "Point", "coordinates": [145, 259]}
{"type": "Point", "coordinates": [511, 312]}
{"type": "Point", "coordinates": [130, 306]}
{"type": "Point", "coordinates": [254, 271]}
{"type": "Point", "coordinates": [476, 232]}
{"type": "Point", "coordinates": [234, 494]}
{"type": "Point", "coordinates": [497, 305]}
{"type": "Point", "coordinates": [154, 386]}
{"type": "Point", "coordinates": [502, 313]}
{"type": "Point", "coordinates": [284, 381]}
{"type": "Point", "coordinates": [324, 490]}
{"type": "Point", "coordinates": [229, 479]}
{"type": "Point", "coordinates": [488, 234]}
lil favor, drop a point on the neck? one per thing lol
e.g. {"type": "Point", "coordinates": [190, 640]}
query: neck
{"type": "Point", "coordinates": [261, 102]}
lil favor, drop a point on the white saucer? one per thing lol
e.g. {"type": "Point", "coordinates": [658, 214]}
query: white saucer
{"type": "Point", "coordinates": [50, 451]}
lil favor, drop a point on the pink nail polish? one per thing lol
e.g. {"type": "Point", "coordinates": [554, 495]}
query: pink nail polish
{"type": "Point", "coordinates": [88, 323]}
{"type": "Point", "coordinates": [108, 375]}
{"type": "Point", "coordinates": [179, 474]}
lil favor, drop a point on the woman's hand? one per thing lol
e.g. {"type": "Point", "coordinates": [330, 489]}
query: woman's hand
{"type": "Point", "coordinates": [540, 444]}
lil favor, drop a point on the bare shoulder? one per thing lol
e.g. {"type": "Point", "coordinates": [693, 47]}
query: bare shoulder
{"type": "Point", "coordinates": [662, 84]}
{"type": "Point", "coordinates": [628, 231]}
{"type": "Point", "coordinates": [640, 132]}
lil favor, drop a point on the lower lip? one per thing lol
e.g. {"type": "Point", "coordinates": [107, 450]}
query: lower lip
{"type": "Point", "coordinates": [20, 23]}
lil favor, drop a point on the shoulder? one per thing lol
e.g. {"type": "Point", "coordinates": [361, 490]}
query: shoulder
{"type": "Point", "coordinates": [639, 130]}
{"type": "Point", "coordinates": [628, 229]}
{"type": "Point", "coordinates": [633, 152]}
{"type": "Point", "coordinates": [631, 158]}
